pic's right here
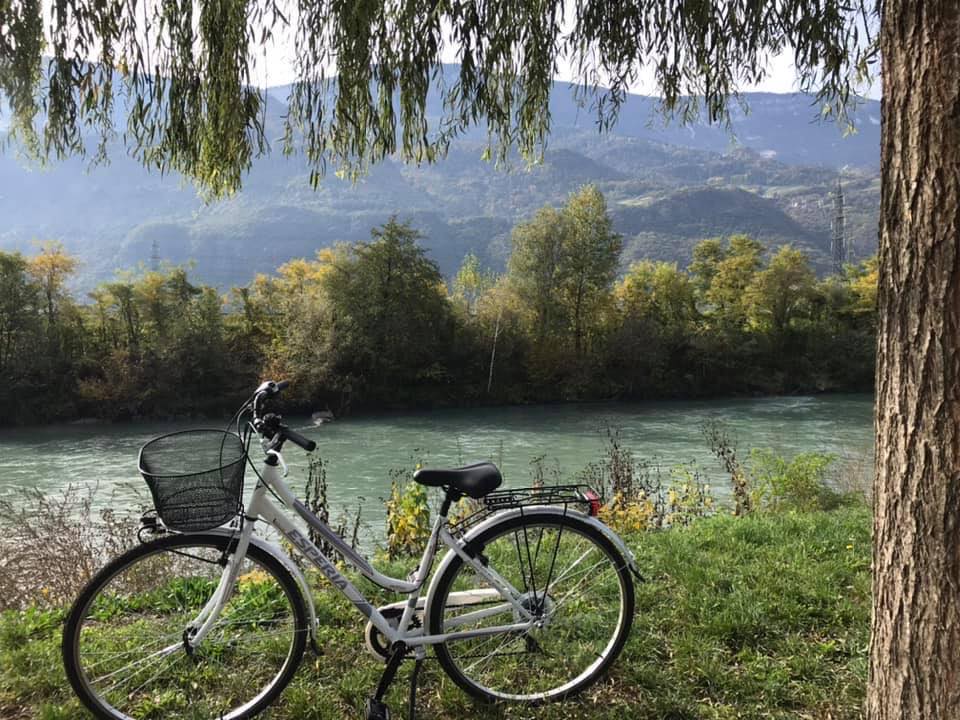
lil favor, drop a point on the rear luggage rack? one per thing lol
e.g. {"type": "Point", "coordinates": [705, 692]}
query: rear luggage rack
{"type": "Point", "coordinates": [582, 497]}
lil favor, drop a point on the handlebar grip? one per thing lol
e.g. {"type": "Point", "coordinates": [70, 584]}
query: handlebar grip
{"type": "Point", "coordinates": [298, 439]}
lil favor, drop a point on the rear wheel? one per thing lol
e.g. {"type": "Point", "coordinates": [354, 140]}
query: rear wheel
{"type": "Point", "coordinates": [126, 642]}
{"type": "Point", "coordinates": [574, 581]}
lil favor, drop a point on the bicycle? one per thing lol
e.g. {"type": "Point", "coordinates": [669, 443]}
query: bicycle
{"type": "Point", "coordinates": [532, 602]}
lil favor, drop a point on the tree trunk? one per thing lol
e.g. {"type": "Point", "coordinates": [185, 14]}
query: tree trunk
{"type": "Point", "coordinates": [578, 318]}
{"type": "Point", "coordinates": [493, 351]}
{"type": "Point", "coordinates": [915, 647]}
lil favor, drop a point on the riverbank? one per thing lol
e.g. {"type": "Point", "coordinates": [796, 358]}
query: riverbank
{"type": "Point", "coordinates": [342, 330]}
{"type": "Point", "coordinates": [765, 616]}
{"type": "Point", "coordinates": [307, 413]}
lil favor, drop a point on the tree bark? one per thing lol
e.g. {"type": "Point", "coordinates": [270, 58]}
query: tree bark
{"type": "Point", "coordinates": [915, 646]}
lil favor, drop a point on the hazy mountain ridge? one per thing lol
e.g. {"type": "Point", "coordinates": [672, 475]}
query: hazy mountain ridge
{"type": "Point", "coordinates": [667, 188]}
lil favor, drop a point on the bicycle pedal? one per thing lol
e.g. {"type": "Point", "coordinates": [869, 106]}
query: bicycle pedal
{"type": "Point", "coordinates": [376, 710]}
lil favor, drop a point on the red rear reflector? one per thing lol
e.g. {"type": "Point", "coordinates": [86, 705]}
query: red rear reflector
{"type": "Point", "coordinates": [591, 497]}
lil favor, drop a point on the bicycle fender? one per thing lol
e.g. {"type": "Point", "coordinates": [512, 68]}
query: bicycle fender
{"type": "Point", "coordinates": [606, 531]}
{"type": "Point", "coordinates": [277, 552]}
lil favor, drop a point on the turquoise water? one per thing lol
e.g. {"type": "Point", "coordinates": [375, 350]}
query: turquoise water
{"type": "Point", "coordinates": [360, 452]}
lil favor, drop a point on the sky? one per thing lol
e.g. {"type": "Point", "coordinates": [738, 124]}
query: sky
{"type": "Point", "coordinates": [781, 76]}
{"type": "Point", "coordinates": [276, 67]}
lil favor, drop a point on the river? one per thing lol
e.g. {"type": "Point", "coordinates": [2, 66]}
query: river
{"type": "Point", "coordinates": [360, 452]}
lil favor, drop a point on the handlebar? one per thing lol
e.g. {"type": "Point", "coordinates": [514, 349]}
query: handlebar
{"type": "Point", "coordinates": [269, 425]}
{"type": "Point", "coordinates": [298, 439]}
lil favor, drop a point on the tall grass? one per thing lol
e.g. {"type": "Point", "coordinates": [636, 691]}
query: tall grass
{"type": "Point", "coordinates": [52, 544]}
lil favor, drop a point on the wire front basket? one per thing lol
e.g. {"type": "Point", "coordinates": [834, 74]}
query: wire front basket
{"type": "Point", "coordinates": [195, 477]}
{"type": "Point", "coordinates": [577, 497]}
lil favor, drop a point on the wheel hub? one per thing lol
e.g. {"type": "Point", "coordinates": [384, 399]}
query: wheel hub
{"type": "Point", "coordinates": [539, 605]}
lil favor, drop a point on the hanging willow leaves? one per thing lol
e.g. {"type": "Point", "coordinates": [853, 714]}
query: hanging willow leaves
{"type": "Point", "coordinates": [184, 72]}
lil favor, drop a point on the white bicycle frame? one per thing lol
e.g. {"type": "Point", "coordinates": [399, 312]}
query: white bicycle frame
{"type": "Point", "coordinates": [260, 507]}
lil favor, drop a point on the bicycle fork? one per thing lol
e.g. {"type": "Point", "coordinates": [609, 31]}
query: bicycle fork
{"type": "Point", "coordinates": [200, 626]}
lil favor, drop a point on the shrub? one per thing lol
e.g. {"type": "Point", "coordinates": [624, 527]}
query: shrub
{"type": "Point", "coordinates": [630, 515]}
{"type": "Point", "coordinates": [688, 497]}
{"type": "Point", "coordinates": [408, 516]}
{"type": "Point", "coordinates": [637, 496]}
{"type": "Point", "coordinates": [51, 545]}
{"type": "Point", "coordinates": [798, 483]}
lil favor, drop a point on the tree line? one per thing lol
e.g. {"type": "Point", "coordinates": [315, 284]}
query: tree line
{"type": "Point", "coordinates": [373, 325]}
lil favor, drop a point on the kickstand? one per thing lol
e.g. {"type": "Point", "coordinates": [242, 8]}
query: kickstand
{"type": "Point", "coordinates": [412, 708]}
{"type": "Point", "coordinates": [376, 709]}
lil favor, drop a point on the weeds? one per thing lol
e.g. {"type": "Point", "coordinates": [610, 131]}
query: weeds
{"type": "Point", "coordinates": [773, 482]}
{"type": "Point", "coordinates": [852, 473]}
{"type": "Point", "coordinates": [408, 515]}
{"type": "Point", "coordinates": [642, 494]}
{"type": "Point", "coordinates": [352, 522]}
{"type": "Point", "coordinates": [724, 447]}
{"type": "Point", "coordinates": [543, 472]}
{"type": "Point", "coordinates": [741, 618]}
{"type": "Point", "coordinates": [51, 545]}
{"type": "Point", "coordinates": [316, 501]}
{"type": "Point", "coordinates": [688, 497]}
{"type": "Point", "coordinates": [620, 478]}
{"type": "Point", "coordinates": [462, 509]}
{"type": "Point", "coordinates": [315, 494]}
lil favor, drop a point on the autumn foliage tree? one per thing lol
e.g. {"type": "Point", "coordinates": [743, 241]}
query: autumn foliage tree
{"type": "Point", "coordinates": [562, 267]}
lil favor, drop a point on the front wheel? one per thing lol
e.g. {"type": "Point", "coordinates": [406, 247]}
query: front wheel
{"type": "Point", "coordinates": [126, 644]}
{"type": "Point", "coordinates": [572, 579]}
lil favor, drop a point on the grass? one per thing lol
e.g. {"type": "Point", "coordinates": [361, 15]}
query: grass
{"type": "Point", "coordinates": [760, 617]}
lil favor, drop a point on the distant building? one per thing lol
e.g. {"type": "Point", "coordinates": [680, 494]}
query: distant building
{"type": "Point", "coordinates": [155, 255]}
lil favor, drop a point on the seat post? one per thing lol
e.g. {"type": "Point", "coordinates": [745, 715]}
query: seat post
{"type": "Point", "coordinates": [449, 498]}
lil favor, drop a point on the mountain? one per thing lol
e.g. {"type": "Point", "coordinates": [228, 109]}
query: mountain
{"type": "Point", "coordinates": [781, 127]}
{"type": "Point", "coordinates": [667, 186]}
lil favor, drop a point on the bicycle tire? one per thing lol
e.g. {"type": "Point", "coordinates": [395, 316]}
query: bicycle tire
{"type": "Point", "coordinates": [112, 633]}
{"type": "Point", "coordinates": [533, 668]}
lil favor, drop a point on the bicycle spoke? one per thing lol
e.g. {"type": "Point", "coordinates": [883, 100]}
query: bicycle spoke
{"type": "Point", "coordinates": [565, 572]}
{"type": "Point", "coordinates": [533, 582]}
{"type": "Point", "coordinates": [486, 640]}
{"type": "Point", "coordinates": [108, 656]}
{"type": "Point", "coordinates": [130, 650]}
{"type": "Point", "coordinates": [571, 585]}
{"type": "Point", "coordinates": [579, 584]}
{"type": "Point", "coordinates": [152, 677]}
{"type": "Point", "coordinates": [553, 561]}
{"type": "Point", "coordinates": [159, 654]}
{"type": "Point", "coordinates": [486, 659]}
{"type": "Point", "coordinates": [523, 572]}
